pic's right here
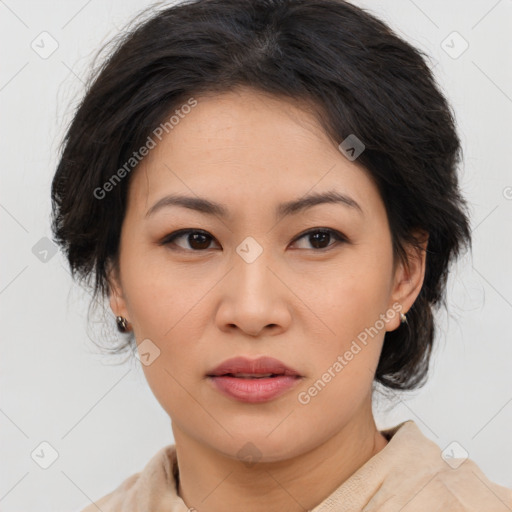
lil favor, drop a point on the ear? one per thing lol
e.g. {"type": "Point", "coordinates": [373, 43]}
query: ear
{"type": "Point", "coordinates": [408, 278]}
{"type": "Point", "coordinates": [116, 296]}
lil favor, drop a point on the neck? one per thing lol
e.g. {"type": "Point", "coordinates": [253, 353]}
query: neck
{"type": "Point", "coordinates": [212, 482]}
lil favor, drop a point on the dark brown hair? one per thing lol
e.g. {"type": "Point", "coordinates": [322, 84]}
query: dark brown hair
{"type": "Point", "coordinates": [361, 78]}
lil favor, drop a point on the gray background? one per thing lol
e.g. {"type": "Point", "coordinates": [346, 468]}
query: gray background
{"type": "Point", "coordinates": [101, 419]}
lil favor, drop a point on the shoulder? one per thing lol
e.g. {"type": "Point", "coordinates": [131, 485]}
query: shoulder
{"type": "Point", "coordinates": [142, 490]}
{"type": "Point", "coordinates": [421, 478]}
{"type": "Point", "coordinates": [115, 499]}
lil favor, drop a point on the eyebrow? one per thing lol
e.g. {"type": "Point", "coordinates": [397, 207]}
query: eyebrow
{"type": "Point", "coordinates": [283, 210]}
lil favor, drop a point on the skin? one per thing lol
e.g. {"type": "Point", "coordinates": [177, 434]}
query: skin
{"type": "Point", "coordinates": [201, 303]}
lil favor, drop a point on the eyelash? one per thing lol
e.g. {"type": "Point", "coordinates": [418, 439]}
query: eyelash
{"type": "Point", "coordinates": [339, 237]}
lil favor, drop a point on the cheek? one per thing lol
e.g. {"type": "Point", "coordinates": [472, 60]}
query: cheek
{"type": "Point", "coordinates": [346, 352]}
{"type": "Point", "coordinates": [345, 356]}
{"type": "Point", "coordinates": [351, 296]}
{"type": "Point", "coordinates": [157, 295]}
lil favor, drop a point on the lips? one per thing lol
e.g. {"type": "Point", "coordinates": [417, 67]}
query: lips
{"type": "Point", "coordinates": [243, 368]}
{"type": "Point", "coordinates": [253, 381]}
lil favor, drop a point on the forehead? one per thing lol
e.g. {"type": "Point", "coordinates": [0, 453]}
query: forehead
{"type": "Point", "coordinates": [247, 117]}
{"type": "Point", "coordinates": [250, 144]}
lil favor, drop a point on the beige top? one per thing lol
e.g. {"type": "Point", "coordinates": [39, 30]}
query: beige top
{"type": "Point", "coordinates": [407, 475]}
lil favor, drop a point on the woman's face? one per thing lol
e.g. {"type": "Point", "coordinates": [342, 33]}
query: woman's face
{"type": "Point", "coordinates": [258, 279]}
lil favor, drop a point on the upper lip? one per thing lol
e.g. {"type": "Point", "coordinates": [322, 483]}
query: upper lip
{"type": "Point", "coordinates": [257, 366]}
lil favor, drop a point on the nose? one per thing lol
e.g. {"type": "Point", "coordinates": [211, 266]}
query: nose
{"type": "Point", "coordinates": [254, 298]}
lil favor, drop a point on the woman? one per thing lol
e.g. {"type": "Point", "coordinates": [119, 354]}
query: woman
{"type": "Point", "coordinates": [266, 192]}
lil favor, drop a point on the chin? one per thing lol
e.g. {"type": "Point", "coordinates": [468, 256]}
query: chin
{"type": "Point", "coordinates": [253, 445]}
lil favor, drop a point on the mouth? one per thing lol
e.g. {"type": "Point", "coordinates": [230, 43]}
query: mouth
{"type": "Point", "coordinates": [253, 381]}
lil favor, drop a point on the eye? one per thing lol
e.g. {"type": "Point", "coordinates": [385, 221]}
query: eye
{"type": "Point", "coordinates": [319, 238]}
{"type": "Point", "coordinates": [198, 240]}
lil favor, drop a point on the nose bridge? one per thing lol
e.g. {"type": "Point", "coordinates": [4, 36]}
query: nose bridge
{"type": "Point", "coordinates": [251, 267]}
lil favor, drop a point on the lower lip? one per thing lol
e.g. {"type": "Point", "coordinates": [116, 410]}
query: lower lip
{"type": "Point", "coordinates": [254, 390]}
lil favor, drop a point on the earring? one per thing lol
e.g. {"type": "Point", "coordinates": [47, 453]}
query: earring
{"type": "Point", "coordinates": [122, 324]}
{"type": "Point", "coordinates": [403, 318]}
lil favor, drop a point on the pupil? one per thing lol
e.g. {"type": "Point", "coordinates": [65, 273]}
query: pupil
{"type": "Point", "coordinates": [198, 240]}
{"type": "Point", "coordinates": [319, 237]}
